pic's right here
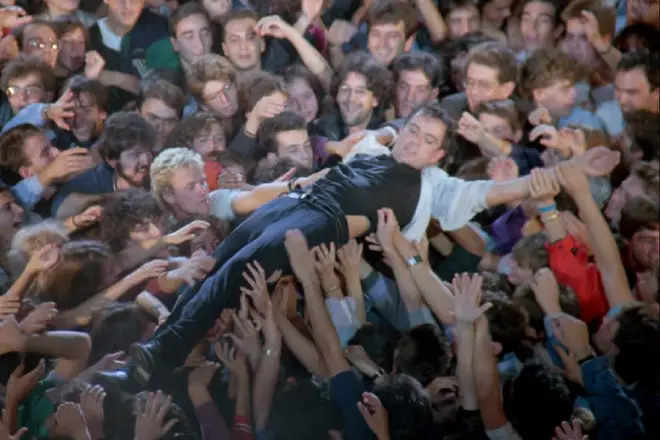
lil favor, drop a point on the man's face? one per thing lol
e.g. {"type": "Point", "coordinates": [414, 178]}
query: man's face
{"type": "Point", "coordinates": [630, 188]}
{"type": "Point", "coordinates": [39, 153]}
{"type": "Point", "coordinates": [160, 116]}
{"type": "Point", "coordinates": [189, 193]}
{"type": "Point", "coordinates": [356, 102]}
{"type": "Point", "coordinates": [645, 245]}
{"type": "Point", "coordinates": [145, 231]}
{"type": "Point", "coordinates": [88, 120]}
{"type": "Point", "coordinates": [519, 275]}
{"type": "Point", "coordinates": [497, 126]}
{"type": "Point", "coordinates": [221, 98]}
{"type": "Point", "coordinates": [558, 98]}
{"type": "Point", "coordinates": [40, 40]}
{"type": "Point", "coordinates": [25, 90]}
{"type": "Point", "coordinates": [420, 142]}
{"type": "Point", "coordinates": [295, 145]}
{"type": "Point", "coordinates": [482, 85]}
{"type": "Point", "coordinates": [193, 38]}
{"type": "Point", "coordinates": [242, 45]}
{"type": "Point", "coordinates": [12, 216]}
{"type": "Point", "coordinates": [217, 9]}
{"type": "Point", "coordinates": [302, 99]}
{"type": "Point", "coordinates": [462, 21]}
{"type": "Point", "coordinates": [133, 166]}
{"type": "Point", "coordinates": [633, 91]}
{"type": "Point", "coordinates": [72, 50]}
{"type": "Point", "coordinates": [210, 142]}
{"type": "Point", "coordinates": [497, 11]}
{"type": "Point", "coordinates": [125, 12]}
{"type": "Point", "coordinates": [413, 89]}
{"type": "Point", "coordinates": [576, 44]}
{"type": "Point", "coordinates": [537, 26]}
{"type": "Point", "coordinates": [386, 41]}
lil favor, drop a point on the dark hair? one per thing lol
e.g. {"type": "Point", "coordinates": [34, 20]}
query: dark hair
{"type": "Point", "coordinates": [12, 142]}
{"type": "Point", "coordinates": [505, 109]}
{"type": "Point", "coordinates": [393, 12]}
{"type": "Point", "coordinates": [446, 7]}
{"type": "Point", "coordinates": [299, 71]}
{"type": "Point", "coordinates": [378, 77]}
{"type": "Point", "coordinates": [408, 407]}
{"type": "Point", "coordinates": [524, 295]}
{"type": "Point", "coordinates": [124, 131]}
{"type": "Point", "coordinates": [544, 68]}
{"type": "Point", "coordinates": [423, 353]}
{"type": "Point", "coordinates": [638, 213]}
{"type": "Point", "coordinates": [427, 62]}
{"type": "Point", "coordinates": [24, 65]}
{"type": "Point", "coordinates": [123, 211]}
{"type": "Point", "coordinates": [648, 62]}
{"type": "Point", "coordinates": [558, 6]}
{"type": "Point", "coordinates": [256, 85]}
{"type": "Point", "coordinates": [164, 91]}
{"type": "Point", "coordinates": [378, 342]}
{"type": "Point", "coordinates": [271, 127]}
{"type": "Point", "coordinates": [638, 341]}
{"type": "Point", "coordinates": [435, 111]}
{"type": "Point", "coordinates": [508, 325]}
{"type": "Point", "coordinates": [184, 11]}
{"type": "Point", "coordinates": [540, 401]}
{"type": "Point", "coordinates": [604, 13]}
{"type": "Point", "coordinates": [18, 31]}
{"type": "Point", "coordinates": [65, 24]}
{"type": "Point", "coordinates": [643, 126]}
{"type": "Point", "coordinates": [198, 124]}
{"type": "Point", "coordinates": [530, 251]}
{"type": "Point", "coordinates": [114, 328]}
{"type": "Point", "coordinates": [497, 56]}
{"type": "Point", "coordinates": [649, 36]}
{"type": "Point", "coordinates": [96, 90]}
{"type": "Point", "coordinates": [267, 171]}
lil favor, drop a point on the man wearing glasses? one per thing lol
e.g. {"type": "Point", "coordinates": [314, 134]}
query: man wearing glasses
{"type": "Point", "coordinates": [39, 38]}
{"type": "Point", "coordinates": [26, 80]}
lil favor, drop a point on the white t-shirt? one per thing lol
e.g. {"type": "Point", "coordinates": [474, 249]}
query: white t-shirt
{"type": "Point", "coordinates": [221, 203]}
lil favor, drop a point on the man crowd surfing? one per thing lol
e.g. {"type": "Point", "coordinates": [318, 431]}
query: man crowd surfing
{"type": "Point", "coordinates": [330, 219]}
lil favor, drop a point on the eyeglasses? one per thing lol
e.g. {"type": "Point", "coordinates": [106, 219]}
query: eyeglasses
{"type": "Point", "coordinates": [479, 84]}
{"type": "Point", "coordinates": [226, 90]}
{"type": "Point", "coordinates": [27, 91]}
{"type": "Point", "coordinates": [39, 44]}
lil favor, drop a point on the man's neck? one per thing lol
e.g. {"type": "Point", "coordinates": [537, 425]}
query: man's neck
{"type": "Point", "coordinates": [116, 26]}
{"type": "Point", "coordinates": [121, 184]}
{"type": "Point", "coordinates": [360, 126]}
{"type": "Point", "coordinates": [251, 70]}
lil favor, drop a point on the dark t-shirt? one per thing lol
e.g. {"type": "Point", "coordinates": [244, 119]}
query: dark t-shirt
{"type": "Point", "coordinates": [370, 183]}
{"type": "Point", "coordinates": [98, 180]}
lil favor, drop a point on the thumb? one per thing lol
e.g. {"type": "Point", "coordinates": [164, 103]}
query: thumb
{"type": "Point", "coordinates": [19, 434]}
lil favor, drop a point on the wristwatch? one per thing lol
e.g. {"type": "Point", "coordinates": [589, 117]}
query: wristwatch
{"type": "Point", "coordinates": [414, 261]}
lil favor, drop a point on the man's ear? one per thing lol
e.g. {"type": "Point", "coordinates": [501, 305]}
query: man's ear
{"type": "Point", "coordinates": [508, 88]}
{"type": "Point", "coordinates": [439, 155]}
{"type": "Point", "coordinates": [224, 48]}
{"type": "Point", "coordinates": [409, 43]}
{"type": "Point", "coordinates": [434, 94]}
{"type": "Point", "coordinates": [375, 102]}
{"type": "Point", "coordinates": [24, 172]}
{"type": "Point", "coordinates": [497, 348]}
{"type": "Point", "coordinates": [655, 97]}
{"type": "Point", "coordinates": [175, 44]}
{"type": "Point", "coordinates": [168, 197]}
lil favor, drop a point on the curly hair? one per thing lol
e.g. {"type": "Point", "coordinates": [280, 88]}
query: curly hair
{"type": "Point", "coordinates": [199, 124]}
{"type": "Point", "coordinates": [210, 67]}
{"type": "Point", "coordinates": [379, 78]}
{"type": "Point", "coordinates": [123, 211]}
{"type": "Point", "coordinates": [12, 142]}
{"type": "Point", "coordinates": [423, 352]}
{"type": "Point", "coordinates": [24, 65]}
{"type": "Point", "coordinates": [531, 252]}
{"type": "Point", "coordinates": [164, 166]}
{"type": "Point", "coordinates": [271, 127]}
{"type": "Point", "coordinates": [544, 68]}
{"type": "Point", "coordinates": [124, 131]}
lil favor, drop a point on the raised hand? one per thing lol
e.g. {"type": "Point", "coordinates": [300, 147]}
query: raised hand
{"type": "Point", "coordinates": [70, 422]}
{"type": "Point", "coordinates": [231, 358]}
{"type": "Point", "coordinates": [467, 296]}
{"type": "Point", "coordinates": [388, 226]}
{"type": "Point", "coordinates": [599, 161]}
{"type": "Point", "coordinates": [470, 128]}
{"type": "Point", "coordinates": [543, 186]}
{"type": "Point", "coordinates": [19, 385]}
{"type": "Point", "coordinates": [61, 110]}
{"type": "Point", "coordinates": [502, 169]}
{"type": "Point", "coordinates": [37, 320]}
{"type": "Point", "coordinates": [326, 258]}
{"type": "Point", "coordinates": [349, 257]}
{"type": "Point", "coordinates": [13, 16]}
{"type": "Point", "coordinates": [273, 26]}
{"type": "Point", "coordinates": [9, 306]}
{"type": "Point", "coordinates": [91, 403]}
{"type": "Point", "coordinates": [150, 421]}
{"type": "Point", "coordinates": [44, 259]}
{"type": "Point", "coordinates": [67, 164]}
{"type": "Point", "coordinates": [375, 415]}
{"type": "Point", "coordinates": [539, 116]}
{"type": "Point", "coordinates": [569, 432]}
{"type": "Point", "coordinates": [94, 64]}
{"type": "Point", "coordinates": [187, 233]}
{"type": "Point", "coordinates": [88, 217]}
{"type": "Point", "coordinates": [300, 257]}
{"type": "Point", "coordinates": [246, 338]}
{"type": "Point", "coordinates": [549, 137]}
{"type": "Point", "coordinates": [340, 32]}
{"type": "Point", "coordinates": [255, 276]}
{"type": "Point", "coordinates": [593, 32]}
{"type": "Point", "coordinates": [152, 269]}
{"type": "Point", "coordinates": [572, 179]}
{"type": "Point", "coordinates": [546, 291]}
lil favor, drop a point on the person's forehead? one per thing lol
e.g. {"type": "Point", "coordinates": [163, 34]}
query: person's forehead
{"type": "Point", "coordinates": [414, 76]}
{"type": "Point", "coordinates": [636, 76]}
{"type": "Point", "coordinates": [35, 142]}
{"type": "Point", "coordinates": [192, 22]}
{"type": "Point", "coordinates": [185, 174]}
{"type": "Point", "coordinates": [480, 71]}
{"type": "Point", "coordinates": [6, 197]}
{"type": "Point", "coordinates": [240, 26]}
{"type": "Point", "coordinates": [387, 27]}
{"type": "Point", "coordinates": [539, 8]}
{"type": "Point", "coordinates": [29, 79]}
{"type": "Point", "coordinates": [291, 137]}
{"type": "Point", "coordinates": [76, 34]}
{"type": "Point", "coordinates": [39, 31]}
{"type": "Point", "coordinates": [157, 107]}
{"type": "Point", "coordinates": [645, 233]}
{"type": "Point", "coordinates": [215, 85]}
{"type": "Point", "coordinates": [428, 124]}
{"type": "Point", "coordinates": [467, 11]}
{"type": "Point", "coordinates": [355, 79]}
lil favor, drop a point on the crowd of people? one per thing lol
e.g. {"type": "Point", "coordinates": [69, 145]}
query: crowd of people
{"type": "Point", "coordinates": [330, 219]}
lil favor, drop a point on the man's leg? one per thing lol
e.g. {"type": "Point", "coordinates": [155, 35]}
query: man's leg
{"type": "Point", "coordinates": [170, 347]}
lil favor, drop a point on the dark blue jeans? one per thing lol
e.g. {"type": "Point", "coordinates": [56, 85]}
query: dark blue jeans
{"type": "Point", "coordinates": [260, 237]}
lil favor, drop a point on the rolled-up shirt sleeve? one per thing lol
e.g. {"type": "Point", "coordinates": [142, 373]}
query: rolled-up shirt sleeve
{"type": "Point", "coordinates": [456, 201]}
{"type": "Point", "coordinates": [221, 203]}
{"type": "Point", "coordinates": [29, 191]}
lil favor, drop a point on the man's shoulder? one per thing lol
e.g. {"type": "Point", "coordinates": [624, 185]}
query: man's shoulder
{"type": "Point", "coordinates": [455, 104]}
{"type": "Point", "coordinates": [97, 180]}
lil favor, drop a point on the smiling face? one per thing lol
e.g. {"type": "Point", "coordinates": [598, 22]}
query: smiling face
{"type": "Point", "coordinates": [386, 40]}
{"type": "Point", "coordinates": [356, 102]}
{"type": "Point", "coordinates": [420, 142]}
{"type": "Point", "coordinates": [188, 195]}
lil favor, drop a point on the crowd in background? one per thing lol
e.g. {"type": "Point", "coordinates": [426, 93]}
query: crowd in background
{"type": "Point", "coordinates": [138, 134]}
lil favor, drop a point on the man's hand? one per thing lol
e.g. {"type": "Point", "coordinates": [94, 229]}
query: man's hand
{"type": "Point", "coordinates": [573, 334]}
{"type": "Point", "coordinates": [13, 16]}
{"type": "Point", "coordinates": [67, 164]}
{"type": "Point", "coordinates": [388, 226]}
{"type": "Point", "coordinates": [149, 270]}
{"type": "Point", "coordinates": [94, 64]}
{"type": "Point", "coordinates": [88, 217]}
{"type": "Point", "coordinates": [70, 422]}
{"type": "Point", "coordinates": [539, 116]}
{"type": "Point", "coordinates": [543, 187]}
{"type": "Point", "coordinates": [195, 268]}
{"type": "Point", "coordinates": [300, 257]}
{"type": "Point", "coordinates": [326, 260]}
{"type": "Point", "coordinates": [575, 139]}
{"type": "Point", "coordinates": [9, 306]}
{"type": "Point", "coordinates": [502, 169]}
{"type": "Point", "coordinates": [344, 147]}
{"type": "Point", "coordinates": [150, 421]}
{"type": "Point", "coordinates": [569, 432]}
{"type": "Point", "coordinates": [91, 403]}
{"type": "Point", "coordinates": [8, 48]}
{"type": "Point", "coordinates": [19, 385]}
{"type": "Point", "coordinates": [37, 320]}
{"type": "Point", "coordinates": [246, 338]}
{"type": "Point", "coordinates": [4, 433]}
{"type": "Point", "coordinates": [186, 233]}
{"type": "Point", "coordinates": [201, 377]}
{"type": "Point", "coordinates": [311, 179]}
{"type": "Point", "coordinates": [274, 26]}
{"type": "Point", "coordinates": [546, 291]}
{"type": "Point", "coordinates": [61, 110]}
{"type": "Point", "coordinates": [572, 179]}
{"type": "Point", "coordinates": [467, 298]}
{"type": "Point", "coordinates": [470, 128]}
{"type": "Point", "coordinates": [43, 260]}
{"type": "Point", "coordinates": [12, 339]}
{"type": "Point", "coordinates": [598, 161]}
{"type": "Point", "coordinates": [375, 415]}
{"type": "Point", "coordinates": [231, 358]}
{"type": "Point", "coordinates": [340, 32]}
{"type": "Point", "coordinates": [255, 276]}
{"type": "Point", "coordinates": [590, 23]}
{"type": "Point", "coordinates": [549, 137]}
{"type": "Point", "coordinates": [349, 257]}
